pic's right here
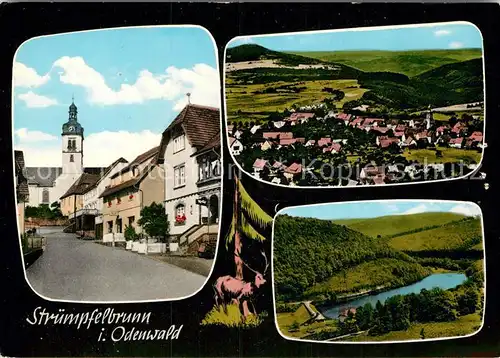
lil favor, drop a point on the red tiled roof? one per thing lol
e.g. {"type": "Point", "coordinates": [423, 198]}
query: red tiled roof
{"type": "Point", "coordinates": [259, 163]}
{"type": "Point", "coordinates": [456, 140]}
{"type": "Point", "coordinates": [295, 168]}
{"type": "Point", "coordinates": [299, 115]}
{"type": "Point", "coordinates": [141, 158]}
{"type": "Point", "coordinates": [287, 141]}
{"type": "Point", "coordinates": [324, 141]}
{"type": "Point", "coordinates": [81, 185]}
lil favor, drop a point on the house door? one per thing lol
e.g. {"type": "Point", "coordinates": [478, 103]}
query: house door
{"type": "Point", "coordinates": [119, 225]}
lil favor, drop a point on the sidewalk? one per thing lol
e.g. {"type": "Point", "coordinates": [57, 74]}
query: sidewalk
{"type": "Point", "coordinates": [190, 263]}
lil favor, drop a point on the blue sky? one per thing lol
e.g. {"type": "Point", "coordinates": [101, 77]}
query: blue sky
{"type": "Point", "coordinates": [440, 36]}
{"type": "Point", "coordinates": [127, 83]}
{"type": "Point", "coordinates": [355, 210]}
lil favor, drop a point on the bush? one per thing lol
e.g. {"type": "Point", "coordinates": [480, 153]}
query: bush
{"type": "Point", "coordinates": [130, 233]}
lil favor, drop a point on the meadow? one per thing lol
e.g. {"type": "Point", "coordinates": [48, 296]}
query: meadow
{"type": "Point", "coordinates": [448, 155]}
{"type": "Point", "coordinates": [258, 106]}
{"type": "Point", "coordinates": [451, 236]}
{"type": "Point", "coordinates": [463, 326]}
{"type": "Point", "coordinates": [410, 63]}
{"type": "Point", "coordinates": [396, 224]}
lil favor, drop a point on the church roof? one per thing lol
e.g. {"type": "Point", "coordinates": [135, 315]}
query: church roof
{"type": "Point", "coordinates": [42, 176]}
{"type": "Point", "coordinates": [200, 123]}
{"type": "Point", "coordinates": [22, 190]}
{"type": "Point", "coordinates": [46, 176]}
{"type": "Point", "coordinates": [82, 185]}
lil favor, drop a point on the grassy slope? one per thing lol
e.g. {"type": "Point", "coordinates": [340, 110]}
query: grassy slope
{"type": "Point", "coordinates": [285, 320]}
{"type": "Point", "coordinates": [370, 274]}
{"type": "Point", "coordinates": [409, 63]}
{"type": "Point", "coordinates": [464, 325]}
{"type": "Point", "coordinates": [450, 155]}
{"type": "Point", "coordinates": [242, 97]}
{"type": "Point", "coordinates": [393, 224]}
{"type": "Point", "coordinates": [449, 236]}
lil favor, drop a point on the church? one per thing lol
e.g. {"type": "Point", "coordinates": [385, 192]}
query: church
{"type": "Point", "coordinates": [47, 184]}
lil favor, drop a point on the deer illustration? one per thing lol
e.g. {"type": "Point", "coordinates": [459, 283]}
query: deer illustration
{"type": "Point", "coordinates": [229, 289]}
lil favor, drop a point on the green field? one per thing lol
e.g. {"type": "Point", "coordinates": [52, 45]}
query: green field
{"type": "Point", "coordinates": [410, 63]}
{"type": "Point", "coordinates": [447, 237]}
{"type": "Point", "coordinates": [449, 155]}
{"type": "Point", "coordinates": [463, 326]}
{"type": "Point", "coordinates": [369, 275]}
{"type": "Point", "coordinates": [394, 224]}
{"type": "Point", "coordinates": [257, 106]}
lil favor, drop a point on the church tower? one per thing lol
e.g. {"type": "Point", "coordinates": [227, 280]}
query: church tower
{"type": "Point", "coordinates": [428, 118]}
{"type": "Point", "coordinates": [72, 143]}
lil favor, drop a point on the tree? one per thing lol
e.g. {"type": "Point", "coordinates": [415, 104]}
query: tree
{"type": "Point", "coordinates": [154, 221]}
{"type": "Point", "coordinates": [248, 219]}
{"type": "Point", "coordinates": [422, 333]}
{"type": "Point", "coordinates": [364, 316]}
{"type": "Point", "coordinates": [468, 301]}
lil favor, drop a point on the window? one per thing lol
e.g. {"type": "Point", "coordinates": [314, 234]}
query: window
{"type": "Point", "coordinates": [110, 227]}
{"type": "Point", "coordinates": [179, 143]}
{"type": "Point", "coordinates": [71, 158]}
{"type": "Point", "coordinates": [131, 220]}
{"type": "Point", "coordinates": [179, 176]}
{"type": "Point", "coordinates": [180, 210]}
{"type": "Point", "coordinates": [236, 147]}
{"type": "Point", "coordinates": [45, 196]}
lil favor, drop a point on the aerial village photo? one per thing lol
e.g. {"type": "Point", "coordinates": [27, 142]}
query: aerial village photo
{"type": "Point", "coordinates": [379, 271]}
{"type": "Point", "coordinates": [118, 162]}
{"type": "Point", "coordinates": [367, 106]}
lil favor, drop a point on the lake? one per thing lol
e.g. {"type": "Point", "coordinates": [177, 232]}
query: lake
{"type": "Point", "coordinates": [441, 280]}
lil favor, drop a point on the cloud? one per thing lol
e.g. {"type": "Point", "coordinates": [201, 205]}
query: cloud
{"type": "Point", "coordinates": [422, 208]}
{"type": "Point", "coordinates": [391, 207]}
{"type": "Point", "coordinates": [202, 81]}
{"type": "Point", "coordinates": [25, 76]}
{"type": "Point", "coordinates": [246, 40]}
{"type": "Point", "coordinates": [442, 32]}
{"type": "Point", "coordinates": [24, 135]}
{"type": "Point", "coordinates": [468, 210]}
{"type": "Point", "coordinates": [456, 44]}
{"type": "Point", "coordinates": [100, 149]}
{"type": "Point", "coordinates": [34, 100]}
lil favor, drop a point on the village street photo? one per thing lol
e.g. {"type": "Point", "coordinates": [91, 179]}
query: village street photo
{"type": "Point", "coordinates": [379, 271]}
{"type": "Point", "coordinates": [117, 154]}
{"type": "Point", "coordinates": [369, 106]}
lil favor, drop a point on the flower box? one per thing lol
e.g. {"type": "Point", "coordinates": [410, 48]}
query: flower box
{"type": "Point", "coordinates": [180, 220]}
{"type": "Point", "coordinates": [131, 196]}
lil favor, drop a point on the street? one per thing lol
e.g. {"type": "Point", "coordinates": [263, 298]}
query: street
{"type": "Point", "coordinates": [72, 269]}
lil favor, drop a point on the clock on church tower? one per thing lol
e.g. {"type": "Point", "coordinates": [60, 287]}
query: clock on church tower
{"type": "Point", "coordinates": [72, 143]}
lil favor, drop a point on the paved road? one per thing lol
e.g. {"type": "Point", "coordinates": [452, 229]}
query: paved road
{"type": "Point", "coordinates": [73, 269]}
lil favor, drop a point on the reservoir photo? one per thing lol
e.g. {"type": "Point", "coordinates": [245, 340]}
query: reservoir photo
{"type": "Point", "coordinates": [387, 270]}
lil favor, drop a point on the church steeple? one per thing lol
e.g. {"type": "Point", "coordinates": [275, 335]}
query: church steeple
{"type": "Point", "coordinates": [73, 110]}
{"type": "Point", "coordinates": [72, 126]}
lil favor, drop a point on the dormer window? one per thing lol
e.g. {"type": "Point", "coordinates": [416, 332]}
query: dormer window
{"type": "Point", "coordinates": [179, 143]}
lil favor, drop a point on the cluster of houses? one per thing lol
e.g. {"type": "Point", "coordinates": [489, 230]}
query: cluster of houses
{"type": "Point", "coordinates": [392, 134]}
{"type": "Point", "coordinates": [182, 172]}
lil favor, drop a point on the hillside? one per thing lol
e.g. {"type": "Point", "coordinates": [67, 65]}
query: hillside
{"type": "Point", "coordinates": [394, 224]}
{"type": "Point", "coordinates": [308, 251]}
{"type": "Point", "coordinates": [253, 52]}
{"type": "Point", "coordinates": [409, 63]}
{"type": "Point", "coordinates": [248, 89]}
{"type": "Point", "coordinates": [465, 234]}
